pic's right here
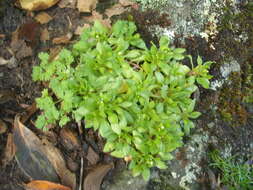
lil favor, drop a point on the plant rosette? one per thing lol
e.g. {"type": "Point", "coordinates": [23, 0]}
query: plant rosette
{"type": "Point", "coordinates": [138, 99]}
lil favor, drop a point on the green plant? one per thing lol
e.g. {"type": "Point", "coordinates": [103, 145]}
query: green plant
{"type": "Point", "coordinates": [235, 176]}
{"type": "Point", "coordinates": [138, 99]}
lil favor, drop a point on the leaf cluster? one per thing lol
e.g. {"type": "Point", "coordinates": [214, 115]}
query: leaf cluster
{"type": "Point", "coordinates": [138, 99]}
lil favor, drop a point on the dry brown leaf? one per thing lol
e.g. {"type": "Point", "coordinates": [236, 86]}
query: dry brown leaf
{"type": "Point", "coordinates": [97, 16]}
{"type": "Point", "coordinates": [43, 18]}
{"type": "Point", "coordinates": [36, 5]}
{"type": "Point", "coordinates": [54, 52]}
{"type": "Point", "coordinates": [117, 9]}
{"type": "Point", "coordinates": [9, 151]}
{"type": "Point", "coordinates": [56, 159]}
{"type": "Point", "coordinates": [67, 3]}
{"type": "Point", "coordinates": [63, 39]}
{"type": "Point", "coordinates": [126, 3]}
{"type": "Point", "coordinates": [2, 35]}
{"type": "Point", "coordinates": [44, 35]}
{"type": "Point", "coordinates": [95, 177]}
{"type": "Point", "coordinates": [80, 29]}
{"type": "Point", "coordinates": [30, 154]}
{"type": "Point", "coordinates": [92, 156]}
{"type": "Point", "coordinates": [69, 139]}
{"type": "Point", "coordinates": [45, 185]}
{"type": "Point", "coordinates": [86, 6]}
{"type": "Point", "coordinates": [3, 127]}
{"type": "Point", "coordinates": [30, 110]}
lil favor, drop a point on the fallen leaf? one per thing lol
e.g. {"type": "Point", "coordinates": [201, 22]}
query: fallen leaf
{"type": "Point", "coordinates": [126, 3]}
{"type": "Point", "coordinates": [9, 151]}
{"type": "Point", "coordinates": [56, 159]}
{"type": "Point", "coordinates": [3, 127]}
{"type": "Point", "coordinates": [97, 16]}
{"type": "Point", "coordinates": [36, 5]}
{"type": "Point", "coordinates": [44, 35]}
{"type": "Point", "coordinates": [67, 3]}
{"type": "Point", "coordinates": [86, 6]}
{"type": "Point", "coordinates": [95, 177]}
{"type": "Point", "coordinates": [29, 32]}
{"type": "Point", "coordinates": [80, 29]}
{"type": "Point", "coordinates": [43, 18]}
{"type": "Point", "coordinates": [2, 35]}
{"type": "Point", "coordinates": [44, 185]}
{"type": "Point", "coordinates": [3, 61]}
{"type": "Point", "coordinates": [116, 9]}
{"type": "Point", "coordinates": [30, 110]}
{"type": "Point", "coordinates": [69, 139]}
{"type": "Point", "coordinates": [54, 52]}
{"type": "Point", "coordinates": [63, 39]}
{"type": "Point", "coordinates": [92, 156]}
{"type": "Point", "coordinates": [30, 154]}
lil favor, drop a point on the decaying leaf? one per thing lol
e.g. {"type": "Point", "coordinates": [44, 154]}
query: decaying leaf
{"type": "Point", "coordinates": [92, 156]}
{"type": "Point", "coordinates": [30, 110]}
{"type": "Point", "coordinates": [57, 160]}
{"type": "Point", "coordinates": [44, 185]}
{"type": "Point", "coordinates": [126, 3]}
{"type": "Point", "coordinates": [9, 151]}
{"type": "Point", "coordinates": [69, 139]}
{"type": "Point", "coordinates": [40, 161]}
{"type": "Point", "coordinates": [95, 177]}
{"type": "Point", "coordinates": [30, 154]}
{"type": "Point", "coordinates": [36, 5]}
{"type": "Point", "coordinates": [44, 35]}
{"type": "Point", "coordinates": [67, 3]}
{"type": "Point", "coordinates": [80, 29]}
{"type": "Point", "coordinates": [3, 127]}
{"type": "Point", "coordinates": [43, 18]}
{"type": "Point", "coordinates": [86, 6]}
{"type": "Point", "coordinates": [97, 16]}
{"type": "Point", "coordinates": [117, 9]}
{"type": "Point", "coordinates": [63, 39]}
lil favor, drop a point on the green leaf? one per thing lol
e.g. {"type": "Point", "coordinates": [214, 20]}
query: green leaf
{"type": "Point", "coordinates": [194, 115]}
{"type": "Point", "coordinates": [159, 77]}
{"type": "Point", "coordinates": [160, 164]}
{"type": "Point", "coordinates": [41, 122]}
{"type": "Point", "coordinates": [64, 120]}
{"type": "Point", "coordinates": [145, 174]}
{"type": "Point", "coordinates": [204, 82]}
{"type": "Point", "coordinates": [109, 146]}
{"type": "Point", "coordinates": [117, 154]}
{"type": "Point", "coordinates": [164, 42]}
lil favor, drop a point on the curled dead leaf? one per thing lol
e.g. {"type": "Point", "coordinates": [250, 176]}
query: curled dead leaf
{"type": "Point", "coordinates": [3, 127]}
{"type": "Point", "coordinates": [86, 6]}
{"type": "Point", "coordinates": [92, 156]}
{"type": "Point", "coordinates": [117, 9]}
{"type": "Point", "coordinates": [63, 39]}
{"type": "Point", "coordinates": [9, 151]}
{"type": "Point", "coordinates": [43, 18]}
{"type": "Point", "coordinates": [44, 185]}
{"type": "Point", "coordinates": [95, 177]}
{"type": "Point", "coordinates": [69, 139]}
{"type": "Point", "coordinates": [30, 154]}
{"type": "Point", "coordinates": [36, 5]}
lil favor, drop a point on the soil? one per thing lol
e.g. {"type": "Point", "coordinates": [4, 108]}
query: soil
{"type": "Point", "coordinates": [18, 91]}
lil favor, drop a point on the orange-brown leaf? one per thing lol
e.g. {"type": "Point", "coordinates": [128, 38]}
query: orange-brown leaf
{"type": "Point", "coordinates": [45, 185]}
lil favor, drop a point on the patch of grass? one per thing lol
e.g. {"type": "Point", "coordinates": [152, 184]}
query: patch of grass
{"type": "Point", "coordinates": [235, 176]}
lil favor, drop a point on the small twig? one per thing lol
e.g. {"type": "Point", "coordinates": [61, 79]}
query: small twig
{"type": "Point", "coordinates": [81, 175]}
